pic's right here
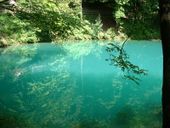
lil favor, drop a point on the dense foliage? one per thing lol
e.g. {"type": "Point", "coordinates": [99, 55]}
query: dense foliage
{"type": "Point", "coordinates": [138, 19]}
{"type": "Point", "coordinates": [57, 20]}
{"type": "Point", "coordinates": [46, 21]}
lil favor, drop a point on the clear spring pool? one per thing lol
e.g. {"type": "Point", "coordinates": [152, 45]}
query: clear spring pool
{"type": "Point", "coordinates": [73, 86]}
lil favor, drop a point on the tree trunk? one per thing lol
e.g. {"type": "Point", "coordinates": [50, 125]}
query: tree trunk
{"type": "Point", "coordinates": [165, 35]}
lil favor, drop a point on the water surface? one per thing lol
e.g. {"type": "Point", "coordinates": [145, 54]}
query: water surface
{"type": "Point", "coordinates": [72, 86]}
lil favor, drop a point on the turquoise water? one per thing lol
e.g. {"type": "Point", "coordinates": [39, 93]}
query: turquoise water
{"type": "Point", "coordinates": [72, 86]}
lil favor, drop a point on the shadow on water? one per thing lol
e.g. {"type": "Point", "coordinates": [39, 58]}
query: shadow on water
{"type": "Point", "coordinates": [72, 86]}
{"type": "Point", "coordinates": [124, 118]}
{"type": "Point", "coordinates": [127, 117]}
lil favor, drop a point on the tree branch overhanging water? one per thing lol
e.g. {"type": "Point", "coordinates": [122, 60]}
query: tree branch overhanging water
{"type": "Point", "coordinates": [119, 58]}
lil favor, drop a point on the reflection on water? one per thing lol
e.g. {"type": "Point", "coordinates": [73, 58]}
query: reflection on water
{"type": "Point", "coordinates": [72, 86]}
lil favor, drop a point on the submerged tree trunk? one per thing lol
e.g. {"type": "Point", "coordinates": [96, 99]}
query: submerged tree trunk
{"type": "Point", "coordinates": [165, 35]}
